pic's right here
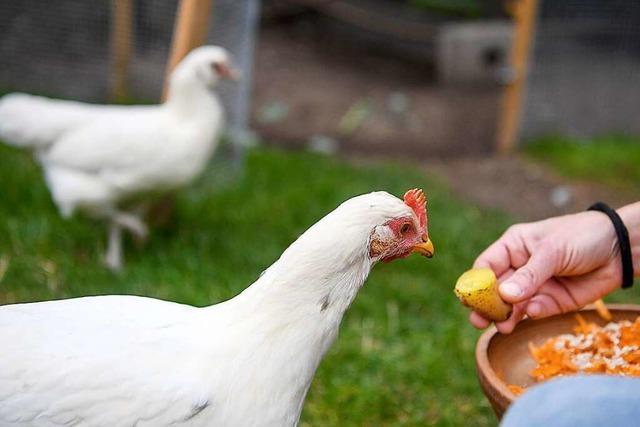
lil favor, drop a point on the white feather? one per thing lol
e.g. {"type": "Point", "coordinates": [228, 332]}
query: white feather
{"type": "Point", "coordinates": [36, 121]}
{"type": "Point", "coordinates": [95, 156]}
{"type": "Point", "coordinates": [249, 361]}
{"type": "Point", "coordinates": [102, 159]}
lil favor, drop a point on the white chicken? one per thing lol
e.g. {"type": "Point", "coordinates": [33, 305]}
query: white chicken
{"type": "Point", "coordinates": [105, 159]}
{"type": "Point", "coordinates": [133, 361]}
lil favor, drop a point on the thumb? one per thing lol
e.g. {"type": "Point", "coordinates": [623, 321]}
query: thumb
{"type": "Point", "coordinates": [526, 280]}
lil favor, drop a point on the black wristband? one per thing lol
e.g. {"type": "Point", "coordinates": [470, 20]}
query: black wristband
{"type": "Point", "coordinates": [623, 241]}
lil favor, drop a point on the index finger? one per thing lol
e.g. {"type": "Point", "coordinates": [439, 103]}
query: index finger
{"type": "Point", "coordinates": [496, 257]}
{"type": "Point", "coordinates": [509, 251]}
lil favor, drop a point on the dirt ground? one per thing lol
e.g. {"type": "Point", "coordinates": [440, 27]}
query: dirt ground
{"type": "Point", "coordinates": [523, 188]}
{"type": "Point", "coordinates": [312, 91]}
{"type": "Point", "coordinates": [310, 85]}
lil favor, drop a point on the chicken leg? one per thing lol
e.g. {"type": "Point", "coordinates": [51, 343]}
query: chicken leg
{"type": "Point", "coordinates": [119, 220]}
{"type": "Point", "coordinates": [133, 223]}
{"type": "Point", "coordinates": [113, 256]}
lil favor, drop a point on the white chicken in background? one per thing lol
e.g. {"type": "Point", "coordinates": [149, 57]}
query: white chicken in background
{"type": "Point", "coordinates": [104, 159]}
{"type": "Point", "coordinates": [249, 361]}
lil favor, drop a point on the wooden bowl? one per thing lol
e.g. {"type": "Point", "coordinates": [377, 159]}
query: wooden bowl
{"type": "Point", "coordinates": [505, 359]}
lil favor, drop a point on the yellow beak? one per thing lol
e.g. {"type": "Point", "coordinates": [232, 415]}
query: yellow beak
{"type": "Point", "coordinates": [234, 74]}
{"type": "Point", "coordinates": [425, 248]}
{"type": "Point", "coordinates": [226, 71]}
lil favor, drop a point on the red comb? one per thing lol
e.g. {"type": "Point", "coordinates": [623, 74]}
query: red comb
{"type": "Point", "coordinates": [417, 201]}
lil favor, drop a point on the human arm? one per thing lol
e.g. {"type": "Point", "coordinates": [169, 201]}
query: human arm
{"type": "Point", "coordinates": [559, 264]}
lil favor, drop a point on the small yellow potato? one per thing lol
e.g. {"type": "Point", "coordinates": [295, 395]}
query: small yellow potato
{"type": "Point", "coordinates": [478, 289]}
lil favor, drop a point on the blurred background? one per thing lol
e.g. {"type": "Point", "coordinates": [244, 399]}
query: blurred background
{"type": "Point", "coordinates": [503, 111]}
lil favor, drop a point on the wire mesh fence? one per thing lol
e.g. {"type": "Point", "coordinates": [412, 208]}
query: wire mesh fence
{"type": "Point", "coordinates": [62, 49]}
{"type": "Point", "coordinates": [585, 72]}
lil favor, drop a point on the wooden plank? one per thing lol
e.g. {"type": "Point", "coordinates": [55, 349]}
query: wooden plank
{"type": "Point", "coordinates": [524, 16]}
{"type": "Point", "coordinates": [190, 31]}
{"type": "Point", "coordinates": [121, 45]}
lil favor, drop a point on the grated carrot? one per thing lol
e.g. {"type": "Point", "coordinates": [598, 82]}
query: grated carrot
{"type": "Point", "coordinates": [613, 349]}
{"type": "Point", "coordinates": [516, 389]}
{"type": "Point", "coordinates": [602, 310]}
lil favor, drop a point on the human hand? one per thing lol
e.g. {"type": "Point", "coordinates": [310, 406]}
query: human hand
{"type": "Point", "coordinates": [553, 266]}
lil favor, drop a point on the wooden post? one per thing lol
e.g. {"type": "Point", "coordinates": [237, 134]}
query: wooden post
{"type": "Point", "coordinates": [189, 31]}
{"type": "Point", "coordinates": [524, 16]}
{"type": "Point", "coordinates": [121, 44]}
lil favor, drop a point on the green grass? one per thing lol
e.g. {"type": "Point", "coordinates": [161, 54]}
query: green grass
{"type": "Point", "coordinates": [405, 353]}
{"type": "Point", "coordinates": [612, 160]}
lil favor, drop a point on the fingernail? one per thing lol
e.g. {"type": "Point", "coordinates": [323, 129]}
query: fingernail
{"type": "Point", "coordinates": [510, 289]}
{"type": "Point", "coordinates": [534, 309]}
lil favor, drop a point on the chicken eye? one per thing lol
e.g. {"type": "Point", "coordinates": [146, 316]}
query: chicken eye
{"type": "Point", "coordinates": [405, 228]}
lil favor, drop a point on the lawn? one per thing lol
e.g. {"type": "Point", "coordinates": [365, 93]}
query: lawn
{"type": "Point", "coordinates": [405, 352]}
{"type": "Point", "coordinates": [612, 160]}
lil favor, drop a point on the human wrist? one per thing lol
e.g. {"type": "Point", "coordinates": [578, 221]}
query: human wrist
{"type": "Point", "coordinates": [630, 216]}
